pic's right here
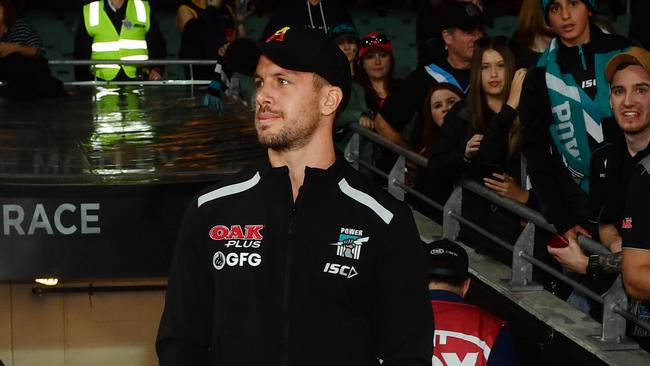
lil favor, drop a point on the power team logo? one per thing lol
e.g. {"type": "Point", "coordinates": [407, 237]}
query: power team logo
{"type": "Point", "coordinates": [350, 242]}
{"type": "Point", "coordinates": [250, 236]}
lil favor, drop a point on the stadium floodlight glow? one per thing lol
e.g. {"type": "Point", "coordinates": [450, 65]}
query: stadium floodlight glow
{"type": "Point", "coordinates": [47, 281]}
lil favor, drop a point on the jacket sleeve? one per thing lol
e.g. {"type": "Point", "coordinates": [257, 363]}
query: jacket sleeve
{"type": "Point", "coordinates": [493, 153]}
{"type": "Point", "coordinates": [353, 111]}
{"type": "Point", "coordinates": [185, 328]}
{"type": "Point", "coordinates": [402, 318]}
{"type": "Point", "coordinates": [503, 350]}
{"type": "Point", "coordinates": [446, 161]}
{"type": "Point", "coordinates": [548, 174]}
{"type": "Point", "coordinates": [400, 107]}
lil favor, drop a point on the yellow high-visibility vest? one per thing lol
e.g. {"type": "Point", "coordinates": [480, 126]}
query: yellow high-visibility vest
{"type": "Point", "coordinates": [129, 44]}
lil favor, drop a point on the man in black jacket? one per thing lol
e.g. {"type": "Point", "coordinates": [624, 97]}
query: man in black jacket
{"type": "Point", "coordinates": [300, 261]}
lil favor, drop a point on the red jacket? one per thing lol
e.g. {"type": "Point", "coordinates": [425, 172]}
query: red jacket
{"type": "Point", "coordinates": [464, 334]}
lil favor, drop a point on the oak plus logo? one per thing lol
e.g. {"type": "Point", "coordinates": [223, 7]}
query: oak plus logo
{"type": "Point", "coordinates": [238, 236]}
{"type": "Point", "coordinates": [221, 260]}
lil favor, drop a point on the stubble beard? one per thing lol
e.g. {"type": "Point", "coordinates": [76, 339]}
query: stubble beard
{"type": "Point", "coordinates": [636, 130]}
{"type": "Point", "coordinates": [294, 134]}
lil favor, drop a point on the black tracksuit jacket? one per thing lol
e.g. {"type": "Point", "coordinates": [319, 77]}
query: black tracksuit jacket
{"type": "Point", "coordinates": [336, 278]}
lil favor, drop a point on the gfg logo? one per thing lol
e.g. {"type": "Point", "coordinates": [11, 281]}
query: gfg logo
{"type": "Point", "coordinates": [220, 260]}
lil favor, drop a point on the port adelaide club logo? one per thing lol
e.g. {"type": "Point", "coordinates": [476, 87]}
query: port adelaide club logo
{"type": "Point", "coordinates": [348, 246]}
{"type": "Point", "coordinates": [350, 242]}
{"type": "Point", "coordinates": [237, 236]}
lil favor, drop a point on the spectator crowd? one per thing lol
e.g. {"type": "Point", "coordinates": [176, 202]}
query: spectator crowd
{"type": "Point", "coordinates": [556, 118]}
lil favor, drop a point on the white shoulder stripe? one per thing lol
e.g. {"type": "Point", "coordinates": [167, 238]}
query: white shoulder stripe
{"type": "Point", "coordinates": [366, 200]}
{"type": "Point", "coordinates": [229, 190]}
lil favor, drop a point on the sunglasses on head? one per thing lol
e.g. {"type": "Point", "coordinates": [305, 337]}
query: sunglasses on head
{"type": "Point", "coordinates": [375, 40]}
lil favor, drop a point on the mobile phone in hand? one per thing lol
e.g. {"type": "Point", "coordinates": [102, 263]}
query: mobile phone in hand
{"type": "Point", "coordinates": [557, 241]}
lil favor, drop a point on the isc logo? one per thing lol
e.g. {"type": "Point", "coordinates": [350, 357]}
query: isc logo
{"type": "Point", "coordinates": [220, 260]}
{"type": "Point", "coordinates": [339, 269]}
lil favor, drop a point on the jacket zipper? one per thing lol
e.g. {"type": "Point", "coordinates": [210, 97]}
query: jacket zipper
{"type": "Point", "coordinates": [582, 58]}
{"type": "Point", "coordinates": [287, 287]}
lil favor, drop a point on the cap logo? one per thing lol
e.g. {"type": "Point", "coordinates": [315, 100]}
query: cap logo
{"type": "Point", "coordinates": [472, 10]}
{"type": "Point", "coordinates": [278, 36]}
{"type": "Point", "coordinates": [437, 251]}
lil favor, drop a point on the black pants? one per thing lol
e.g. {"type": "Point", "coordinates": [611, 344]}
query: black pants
{"type": "Point", "coordinates": [27, 77]}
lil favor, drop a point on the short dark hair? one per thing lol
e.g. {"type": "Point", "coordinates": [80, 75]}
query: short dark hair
{"type": "Point", "coordinates": [455, 281]}
{"type": "Point", "coordinates": [451, 281]}
{"type": "Point", "coordinates": [10, 12]}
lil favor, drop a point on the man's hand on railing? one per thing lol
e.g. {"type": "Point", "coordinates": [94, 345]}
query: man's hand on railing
{"type": "Point", "coordinates": [154, 74]}
{"type": "Point", "coordinates": [366, 122]}
{"type": "Point", "coordinates": [571, 257]}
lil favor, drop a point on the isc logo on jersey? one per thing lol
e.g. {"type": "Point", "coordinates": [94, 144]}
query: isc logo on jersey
{"type": "Point", "coordinates": [250, 236]}
{"type": "Point", "coordinates": [220, 260]}
{"type": "Point", "coordinates": [339, 269]}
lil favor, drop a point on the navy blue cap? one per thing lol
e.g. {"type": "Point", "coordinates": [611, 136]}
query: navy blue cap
{"type": "Point", "coordinates": [447, 259]}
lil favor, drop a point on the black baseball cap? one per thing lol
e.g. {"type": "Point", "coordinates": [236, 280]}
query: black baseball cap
{"type": "Point", "coordinates": [447, 259]}
{"type": "Point", "coordinates": [296, 48]}
{"type": "Point", "coordinates": [462, 15]}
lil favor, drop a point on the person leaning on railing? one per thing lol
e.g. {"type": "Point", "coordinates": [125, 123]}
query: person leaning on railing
{"type": "Point", "coordinates": [118, 30]}
{"type": "Point", "coordinates": [479, 140]}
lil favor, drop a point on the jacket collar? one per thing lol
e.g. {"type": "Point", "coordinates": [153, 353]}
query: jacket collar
{"type": "Point", "coordinates": [333, 174]}
{"type": "Point", "coordinates": [444, 295]}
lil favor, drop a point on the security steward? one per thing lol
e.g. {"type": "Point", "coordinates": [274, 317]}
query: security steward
{"type": "Point", "coordinates": [118, 30]}
{"type": "Point", "coordinates": [464, 333]}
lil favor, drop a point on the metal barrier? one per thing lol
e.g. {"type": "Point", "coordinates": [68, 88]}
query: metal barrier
{"type": "Point", "coordinates": [614, 301]}
{"type": "Point", "coordinates": [191, 82]}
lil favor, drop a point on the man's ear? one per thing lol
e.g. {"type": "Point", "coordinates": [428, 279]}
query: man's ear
{"type": "Point", "coordinates": [446, 36]}
{"type": "Point", "coordinates": [333, 95]}
{"type": "Point", "coordinates": [465, 286]}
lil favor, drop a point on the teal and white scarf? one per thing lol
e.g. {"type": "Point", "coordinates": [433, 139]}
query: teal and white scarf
{"type": "Point", "coordinates": [575, 115]}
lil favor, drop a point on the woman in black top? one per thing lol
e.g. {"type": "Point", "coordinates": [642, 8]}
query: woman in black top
{"type": "Point", "coordinates": [479, 140]}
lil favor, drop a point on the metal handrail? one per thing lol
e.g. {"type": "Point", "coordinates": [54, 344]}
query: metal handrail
{"type": "Point", "coordinates": [521, 210]}
{"type": "Point", "coordinates": [132, 62]}
{"type": "Point", "coordinates": [515, 207]}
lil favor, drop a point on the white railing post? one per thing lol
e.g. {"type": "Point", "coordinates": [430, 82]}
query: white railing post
{"type": "Point", "coordinates": [451, 226]}
{"type": "Point", "coordinates": [521, 278]}
{"type": "Point", "coordinates": [351, 151]}
{"type": "Point", "coordinates": [397, 174]}
{"type": "Point", "coordinates": [612, 335]}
